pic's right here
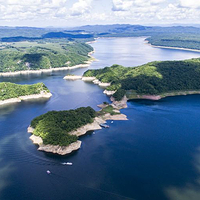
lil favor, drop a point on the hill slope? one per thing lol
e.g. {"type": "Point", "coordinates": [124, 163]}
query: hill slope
{"type": "Point", "coordinates": [42, 55]}
{"type": "Point", "coordinates": [153, 78]}
{"type": "Point", "coordinates": [12, 90]}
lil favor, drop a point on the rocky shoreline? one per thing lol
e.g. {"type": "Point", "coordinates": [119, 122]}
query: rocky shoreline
{"type": "Point", "coordinates": [109, 93]}
{"type": "Point", "coordinates": [27, 97]}
{"type": "Point", "coordinates": [122, 104]}
{"type": "Point", "coordinates": [164, 95]}
{"type": "Point", "coordinates": [5, 74]}
{"type": "Point", "coordinates": [61, 150]}
{"type": "Point", "coordinates": [64, 150]}
{"type": "Point", "coordinates": [119, 104]}
{"type": "Point", "coordinates": [168, 47]}
{"type": "Point", "coordinates": [87, 79]}
{"type": "Point", "coordinates": [95, 81]}
{"type": "Point", "coordinates": [72, 77]}
{"type": "Point", "coordinates": [96, 124]}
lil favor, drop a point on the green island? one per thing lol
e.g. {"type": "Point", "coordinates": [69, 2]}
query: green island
{"type": "Point", "coordinates": [58, 131]}
{"type": "Point", "coordinates": [152, 80]}
{"type": "Point", "coordinates": [42, 54]}
{"type": "Point", "coordinates": [11, 92]}
{"type": "Point", "coordinates": [54, 126]}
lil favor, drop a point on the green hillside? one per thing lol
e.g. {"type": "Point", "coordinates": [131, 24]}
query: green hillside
{"type": "Point", "coordinates": [152, 78]}
{"type": "Point", "coordinates": [12, 90]}
{"type": "Point", "coordinates": [21, 56]}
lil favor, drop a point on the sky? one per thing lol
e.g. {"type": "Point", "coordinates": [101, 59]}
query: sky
{"type": "Point", "coordinates": [68, 13]}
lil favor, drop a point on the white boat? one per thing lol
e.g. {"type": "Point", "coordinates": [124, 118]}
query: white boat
{"type": "Point", "coordinates": [104, 125]}
{"type": "Point", "coordinates": [66, 163]}
{"type": "Point", "coordinates": [48, 172]}
{"type": "Point", "coordinates": [111, 122]}
{"type": "Point", "coordinates": [69, 163]}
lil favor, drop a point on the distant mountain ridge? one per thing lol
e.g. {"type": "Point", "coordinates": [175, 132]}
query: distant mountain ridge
{"type": "Point", "coordinates": [47, 35]}
{"type": "Point", "coordinates": [172, 36]}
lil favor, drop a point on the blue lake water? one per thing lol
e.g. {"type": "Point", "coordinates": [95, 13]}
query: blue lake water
{"type": "Point", "coordinates": [155, 155]}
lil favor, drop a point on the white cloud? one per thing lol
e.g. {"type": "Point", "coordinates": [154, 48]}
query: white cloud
{"type": "Point", "coordinates": [122, 5]}
{"type": "Point", "coordinates": [189, 3]}
{"type": "Point", "coordinates": [157, 1]}
{"type": "Point", "coordinates": [147, 2]}
{"type": "Point", "coordinates": [31, 9]}
{"type": "Point", "coordinates": [43, 3]}
{"type": "Point", "coordinates": [23, 2]}
{"type": "Point", "coordinates": [156, 11]}
{"type": "Point", "coordinates": [81, 7]}
{"type": "Point", "coordinates": [63, 12]}
{"type": "Point", "coordinates": [79, 12]}
{"type": "Point", "coordinates": [175, 13]}
{"type": "Point", "coordinates": [126, 5]}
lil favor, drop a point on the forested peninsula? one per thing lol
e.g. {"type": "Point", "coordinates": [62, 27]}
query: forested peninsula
{"type": "Point", "coordinates": [12, 93]}
{"type": "Point", "coordinates": [58, 131]}
{"type": "Point", "coordinates": [153, 80]}
{"type": "Point", "coordinates": [32, 56]}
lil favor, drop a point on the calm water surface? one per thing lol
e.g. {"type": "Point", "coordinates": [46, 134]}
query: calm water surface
{"type": "Point", "coordinates": [153, 156]}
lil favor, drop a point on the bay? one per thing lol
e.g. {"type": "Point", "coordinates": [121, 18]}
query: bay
{"type": "Point", "coordinates": [154, 155]}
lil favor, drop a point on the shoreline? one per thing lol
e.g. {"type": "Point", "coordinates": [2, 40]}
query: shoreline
{"type": "Point", "coordinates": [92, 79]}
{"type": "Point", "coordinates": [25, 98]}
{"type": "Point", "coordinates": [168, 47]}
{"type": "Point", "coordinates": [164, 95]}
{"type": "Point", "coordinates": [72, 77]}
{"type": "Point", "coordinates": [95, 81]}
{"type": "Point", "coordinates": [156, 46]}
{"type": "Point", "coordinates": [96, 124]}
{"type": "Point", "coordinates": [61, 150]}
{"type": "Point", "coordinates": [64, 150]}
{"type": "Point", "coordinates": [123, 103]}
{"type": "Point", "coordinates": [40, 71]}
{"type": "Point", "coordinates": [119, 104]}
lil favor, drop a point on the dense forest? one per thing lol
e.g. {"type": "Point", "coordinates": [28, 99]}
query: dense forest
{"type": "Point", "coordinates": [180, 41]}
{"type": "Point", "coordinates": [152, 78]}
{"type": "Point", "coordinates": [41, 55]}
{"type": "Point", "coordinates": [12, 90]}
{"type": "Point", "coordinates": [54, 126]}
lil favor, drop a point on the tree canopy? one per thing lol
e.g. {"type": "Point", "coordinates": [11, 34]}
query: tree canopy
{"type": "Point", "coordinates": [37, 55]}
{"type": "Point", "coordinates": [11, 90]}
{"type": "Point", "coordinates": [152, 78]}
{"type": "Point", "coordinates": [54, 126]}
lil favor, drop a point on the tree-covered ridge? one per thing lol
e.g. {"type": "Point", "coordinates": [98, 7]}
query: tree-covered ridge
{"type": "Point", "coordinates": [37, 55]}
{"type": "Point", "coordinates": [152, 78]}
{"type": "Point", "coordinates": [12, 90]}
{"type": "Point", "coordinates": [54, 126]}
{"type": "Point", "coordinates": [188, 41]}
